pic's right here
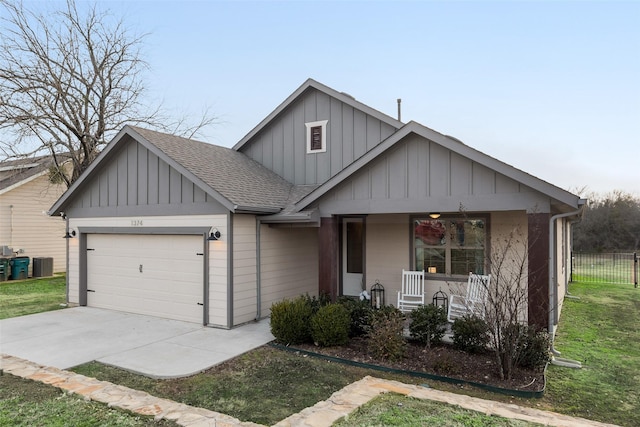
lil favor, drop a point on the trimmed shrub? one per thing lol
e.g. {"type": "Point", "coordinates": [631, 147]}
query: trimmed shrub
{"type": "Point", "coordinates": [536, 351]}
{"type": "Point", "coordinates": [316, 302]}
{"type": "Point", "coordinates": [330, 325]}
{"type": "Point", "coordinates": [527, 346]}
{"type": "Point", "coordinates": [428, 324]}
{"type": "Point", "coordinates": [360, 313]}
{"type": "Point", "coordinates": [470, 334]}
{"type": "Point", "coordinates": [290, 320]}
{"type": "Point", "coordinates": [385, 338]}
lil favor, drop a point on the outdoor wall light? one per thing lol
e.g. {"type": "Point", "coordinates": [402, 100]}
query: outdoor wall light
{"type": "Point", "coordinates": [377, 295]}
{"type": "Point", "coordinates": [70, 234]}
{"type": "Point", "coordinates": [215, 235]}
{"type": "Point", "coordinates": [434, 215]}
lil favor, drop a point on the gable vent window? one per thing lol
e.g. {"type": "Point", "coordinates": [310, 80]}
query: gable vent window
{"type": "Point", "coordinates": [317, 136]}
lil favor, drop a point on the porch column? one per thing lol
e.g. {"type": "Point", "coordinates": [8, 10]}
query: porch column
{"type": "Point", "coordinates": [328, 248]}
{"type": "Point", "coordinates": [538, 233]}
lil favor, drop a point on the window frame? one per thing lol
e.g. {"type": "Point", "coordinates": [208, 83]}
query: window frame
{"type": "Point", "coordinates": [322, 124]}
{"type": "Point", "coordinates": [448, 245]}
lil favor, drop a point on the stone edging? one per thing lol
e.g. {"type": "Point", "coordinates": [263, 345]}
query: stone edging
{"type": "Point", "coordinates": [119, 396]}
{"type": "Point", "coordinates": [341, 403]}
{"type": "Point", "coordinates": [345, 401]}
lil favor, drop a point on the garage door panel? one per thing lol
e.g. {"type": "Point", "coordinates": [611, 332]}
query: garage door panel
{"type": "Point", "coordinates": [156, 275]}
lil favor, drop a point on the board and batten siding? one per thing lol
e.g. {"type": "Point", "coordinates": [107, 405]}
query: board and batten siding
{"type": "Point", "coordinates": [288, 264]}
{"type": "Point", "coordinates": [137, 182]}
{"type": "Point", "coordinates": [417, 174]}
{"type": "Point", "coordinates": [282, 147]}
{"type": "Point", "coordinates": [244, 269]}
{"type": "Point", "coordinates": [24, 223]}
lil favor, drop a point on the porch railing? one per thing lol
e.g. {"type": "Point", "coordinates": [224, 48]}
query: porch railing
{"type": "Point", "coordinates": [605, 267]}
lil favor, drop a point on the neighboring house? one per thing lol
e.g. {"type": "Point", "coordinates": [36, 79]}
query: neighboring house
{"type": "Point", "coordinates": [26, 194]}
{"type": "Point", "coordinates": [325, 195]}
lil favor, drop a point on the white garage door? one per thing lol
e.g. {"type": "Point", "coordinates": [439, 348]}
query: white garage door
{"type": "Point", "coordinates": [157, 275]}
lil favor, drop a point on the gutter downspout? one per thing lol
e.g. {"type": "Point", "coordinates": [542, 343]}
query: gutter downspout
{"type": "Point", "coordinates": [552, 288]}
{"type": "Point", "coordinates": [66, 245]}
{"type": "Point", "coordinates": [258, 269]}
{"type": "Point", "coordinates": [11, 227]}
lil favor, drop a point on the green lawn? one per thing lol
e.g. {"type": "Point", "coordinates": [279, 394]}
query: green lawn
{"type": "Point", "coordinates": [20, 297]}
{"type": "Point", "coordinates": [26, 403]}
{"type": "Point", "coordinates": [397, 410]}
{"type": "Point", "coordinates": [601, 331]}
{"type": "Point", "coordinates": [266, 385]}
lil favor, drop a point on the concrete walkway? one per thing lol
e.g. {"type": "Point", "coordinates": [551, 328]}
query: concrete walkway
{"type": "Point", "coordinates": [325, 413]}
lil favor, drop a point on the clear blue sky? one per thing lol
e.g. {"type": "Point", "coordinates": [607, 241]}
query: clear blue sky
{"type": "Point", "coordinates": [550, 87]}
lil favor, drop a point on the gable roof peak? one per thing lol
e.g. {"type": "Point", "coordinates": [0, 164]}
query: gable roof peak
{"type": "Point", "coordinates": [340, 96]}
{"type": "Point", "coordinates": [229, 176]}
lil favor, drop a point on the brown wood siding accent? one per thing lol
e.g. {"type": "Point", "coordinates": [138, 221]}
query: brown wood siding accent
{"type": "Point", "coordinates": [328, 257]}
{"type": "Point", "coordinates": [538, 233]}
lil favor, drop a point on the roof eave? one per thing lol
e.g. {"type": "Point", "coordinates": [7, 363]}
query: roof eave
{"type": "Point", "coordinates": [228, 204]}
{"type": "Point", "coordinates": [128, 130]}
{"type": "Point", "coordinates": [23, 182]}
{"type": "Point", "coordinates": [254, 210]}
{"type": "Point", "coordinates": [450, 143]}
{"type": "Point", "coordinates": [305, 217]}
{"type": "Point", "coordinates": [61, 203]}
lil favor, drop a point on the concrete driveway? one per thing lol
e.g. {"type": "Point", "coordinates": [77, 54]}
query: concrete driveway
{"type": "Point", "coordinates": [155, 347]}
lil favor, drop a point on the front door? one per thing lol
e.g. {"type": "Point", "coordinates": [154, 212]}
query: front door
{"type": "Point", "coordinates": [352, 256]}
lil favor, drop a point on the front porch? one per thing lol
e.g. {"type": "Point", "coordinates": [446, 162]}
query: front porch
{"type": "Point", "coordinates": [357, 251]}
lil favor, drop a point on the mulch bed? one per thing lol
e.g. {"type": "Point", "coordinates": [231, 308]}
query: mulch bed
{"type": "Point", "coordinates": [442, 360]}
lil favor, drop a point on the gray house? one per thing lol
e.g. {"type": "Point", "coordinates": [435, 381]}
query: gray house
{"type": "Point", "coordinates": [324, 195]}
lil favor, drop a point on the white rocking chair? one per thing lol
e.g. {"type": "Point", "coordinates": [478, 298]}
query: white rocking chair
{"type": "Point", "coordinates": [411, 295]}
{"type": "Point", "coordinates": [474, 302]}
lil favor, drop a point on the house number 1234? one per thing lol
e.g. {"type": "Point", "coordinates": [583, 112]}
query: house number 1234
{"type": "Point", "coordinates": [136, 223]}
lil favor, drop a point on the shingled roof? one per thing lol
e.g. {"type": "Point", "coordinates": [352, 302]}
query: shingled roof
{"type": "Point", "coordinates": [241, 180]}
{"type": "Point", "coordinates": [13, 172]}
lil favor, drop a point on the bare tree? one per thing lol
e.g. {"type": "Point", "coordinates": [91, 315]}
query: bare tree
{"type": "Point", "coordinates": [507, 300]}
{"type": "Point", "coordinates": [70, 80]}
{"type": "Point", "coordinates": [507, 297]}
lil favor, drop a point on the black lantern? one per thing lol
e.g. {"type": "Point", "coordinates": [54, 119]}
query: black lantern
{"type": "Point", "coordinates": [377, 295]}
{"type": "Point", "coordinates": [440, 299]}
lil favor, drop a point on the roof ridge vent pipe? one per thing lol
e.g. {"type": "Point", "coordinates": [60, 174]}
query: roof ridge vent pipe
{"type": "Point", "coordinates": [399, 109]}
{"type": "Point", "coordinates": [552, 288]}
